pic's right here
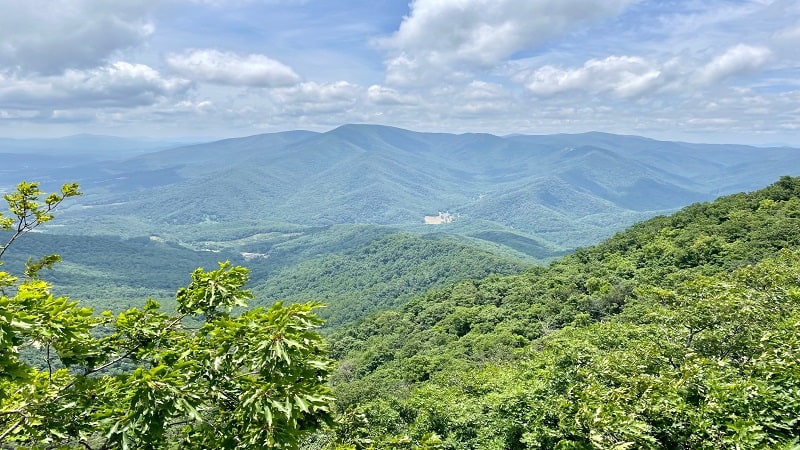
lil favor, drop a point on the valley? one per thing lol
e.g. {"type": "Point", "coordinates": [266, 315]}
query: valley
{"type": "Point", "coordinates": [302, 205]}
{"type": "Point", "coordinates": [491, 326]}
{"type": "Point", "coordinates": [567, 190]}
{"type": "Point", "coordinates": [399, 225]}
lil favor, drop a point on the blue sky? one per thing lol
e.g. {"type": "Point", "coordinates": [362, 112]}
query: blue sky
{"type": "Point", "coordinates": [695, 70]}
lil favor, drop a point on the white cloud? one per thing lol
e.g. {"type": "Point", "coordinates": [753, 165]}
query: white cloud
{"type": "Point", "coordinates": [239, 3]}
{"type": "Point", "coordinates": [501, 66]}
{"type": "Point", "coordinates": [120, 84]}
{"type": "Point", "coordinates": [194, 106]}
{"type": "Point", "coordinates": [442, 34]}
{"type": "Point", "coordinates": [16, 114]}
{"type": "Point", "coordinates": [480, 108]}
{"type": "Point", "coordinates": [788, 35]}
{"type": "Point", "coordinates": [478, 98]}
{"type": "Point", "coordinates": [316, 98]}
{"type": "Point", "coordinates": [47, 37]}
{"type": "Point", "coordinates": [624, 76]}
{"type": "Point", "coordinates": [382, 95]}
{"type": "Point", "coordinates": [231, 69]}
{"type": "Point", "coordinates": [784, 42]}
{"type": "Point", "coordinates": [72, 115]}
{"type": "Point", "coordinates": [482, 90]}
{"type": "Point", "coordinates": [408, 72]}
{"type": "Point", "coordinates": [739, 60]}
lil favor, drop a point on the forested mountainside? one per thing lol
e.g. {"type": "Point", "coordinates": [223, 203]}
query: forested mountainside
{"type": "Point", "coordinates": [306, 206]}
{"type": "Point", "coordinates": [353, 271]}
{"type": "Point", "coordinates": [382, 274]}
{"type": "Point", "coordinates": [680, 332]}
{"type": "Point", "coordinates": [564, 191]}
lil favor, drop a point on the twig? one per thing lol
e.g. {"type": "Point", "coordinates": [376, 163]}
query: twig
{"type": "Point", "coordinates": [12, 428]}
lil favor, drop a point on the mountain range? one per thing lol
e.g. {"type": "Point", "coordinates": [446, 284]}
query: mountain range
{"type": "Point", "coordinates": [562, 191]}
{"type": "Point", "coordinates": [314, 214]}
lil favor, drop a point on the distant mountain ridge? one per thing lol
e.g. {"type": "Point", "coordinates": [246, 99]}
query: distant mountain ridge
{"type": "Point", "coordinates": [88, 145]}
{"type": "Point", "coordinates": [567, 190]}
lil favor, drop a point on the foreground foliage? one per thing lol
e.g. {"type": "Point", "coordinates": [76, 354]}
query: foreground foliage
{"type": "Point", "coordinates": [682, 332]}
{"type": "Point", "coordinates": [200, 377]}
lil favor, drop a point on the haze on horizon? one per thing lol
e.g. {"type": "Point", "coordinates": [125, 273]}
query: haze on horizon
{"type": "Point", "coordinates": [710, 71]}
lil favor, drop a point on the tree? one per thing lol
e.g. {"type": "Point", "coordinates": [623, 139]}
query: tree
{"type": "Point", "coordinates": [681, 332]}
{"type": "Point", "coordinates": [199, 377]}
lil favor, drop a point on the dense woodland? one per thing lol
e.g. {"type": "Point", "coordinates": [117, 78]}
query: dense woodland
{"type": "Point", "coordinates": [354, 271]}
{"type": "Point", "coordinates": [382, 274]}
{"type": "Point", "coordinates": [681, 332]}
{"type": "Point", "coordinates": [534, 194]}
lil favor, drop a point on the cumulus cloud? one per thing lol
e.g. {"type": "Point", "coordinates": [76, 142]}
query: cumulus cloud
{"type": "Point", "coordinates": [738, 60]}
{"type": "Point", "coordinates": [482, 33]}
{"type": "Point", "coordinates": [382, 95]}
{"type": "Point", "coordinates": [503, 66]}
{"type": "Point", "coordinates": [120, 84]}
{"type": "Point", "coordinates": [231, 69]}
{"type": "Point", "coordinates": [482, 90]}
{"type": "Point", "coordinates": [624, 76]}
{"type": "Point", "coordinates": [238, 3]}
{"type": "Point", "coordinates": [47, 37]}
{"type": "Point", "coordinates": [316, 98]}
{"type": "Point", "coordinates": [194, 106]}
{"type": "Point", "coordinates": [478, 98]}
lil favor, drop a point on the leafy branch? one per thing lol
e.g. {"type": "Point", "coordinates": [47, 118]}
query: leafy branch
{"type": "Point", "coordinates": [27, 210]}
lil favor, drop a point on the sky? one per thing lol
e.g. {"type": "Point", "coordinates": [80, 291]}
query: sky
{"type": "Point", "coordinates": [691, 70]}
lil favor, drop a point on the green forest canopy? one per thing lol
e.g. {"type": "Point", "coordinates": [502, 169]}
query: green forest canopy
{"type": "Point", "coordinates": [681, 332]}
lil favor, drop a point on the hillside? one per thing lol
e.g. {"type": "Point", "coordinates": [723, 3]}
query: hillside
{"type": "Point", "coordinates": [353, 271]}
{"type": "Point", "coordinates": [565, 190]}
{"type": "Point", "coordinates": [302, 207]}
{"type": "Point", "coordinates": [680, 332]}
{"type": "Point", "coordinates": [382, 274]}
